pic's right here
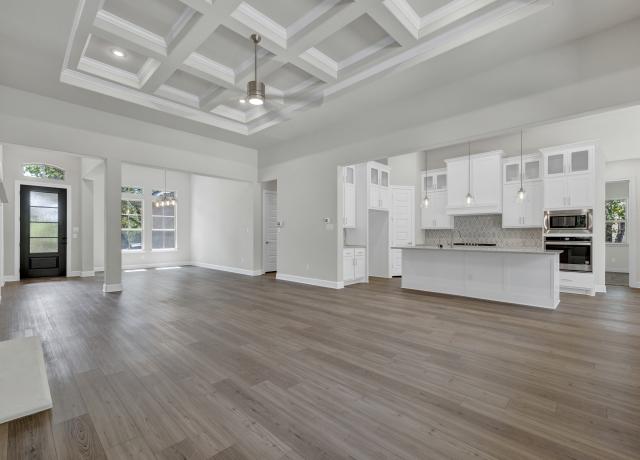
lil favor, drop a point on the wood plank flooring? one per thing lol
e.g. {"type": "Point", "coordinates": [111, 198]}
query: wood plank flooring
{"type": "Point", "coordinates": [199, 364]}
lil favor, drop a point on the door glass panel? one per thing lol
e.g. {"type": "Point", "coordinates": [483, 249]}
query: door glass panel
{"type": "Point", "coordinates": [374, 176]}
{"type": "Point", "coordinates": [47, 200]}
{"type": "Point", "coordinates": [350, 175]}
{"type": "Point", "coordinates": [429, 182]}
{"type": "Point", "coordinates": [532, 170]}
{"type": "Point", "coordinates": [43, 230]}
{"type": "Point", "coordinates": [580, 161]}
{"type": "Point", "coordinates": [39, 214]}
{"type": "Point", "coordinates": [555, 164]}
{"type": "Point", "coordinates": [512, 173]}
{"type": "Point", "coordinates": [385, 179]}
{"type": "Point", "coordinates": [40, 245]}
{"type": "Point", "coordinates": [441, 182]}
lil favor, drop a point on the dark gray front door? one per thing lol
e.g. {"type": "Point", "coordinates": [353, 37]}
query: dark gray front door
{"type": "Point", "coordinates": [43, 231]}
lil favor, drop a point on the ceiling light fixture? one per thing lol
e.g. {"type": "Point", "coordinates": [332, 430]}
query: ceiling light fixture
{"type": "Point", "coordinates": [469, 199]}
{"type": "Point", "coordinates": [521, 192]}
{"type": "Point", "coordinates": [117, 52]}
{"type": "Point", "coordinates": [165, 198]}
{"type": "Point", "coordinates": [255, 88]}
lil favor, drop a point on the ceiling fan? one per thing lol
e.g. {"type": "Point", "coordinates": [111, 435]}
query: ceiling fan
{"type": "Point", "coordinates": [256, 95]}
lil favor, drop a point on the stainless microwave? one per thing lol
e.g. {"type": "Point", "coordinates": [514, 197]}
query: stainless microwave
{"type": "Point", "coordinates": [576, 221]}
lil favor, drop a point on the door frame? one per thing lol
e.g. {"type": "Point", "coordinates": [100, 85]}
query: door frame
{"type": "Point", "coordinates": [631, 223]}
{"type": "Point", "coordinates": [16, 247]}
{"type": "Point", "coordinates": [409, 188]}
{"type": "Point", "coordinates": [264, 194]}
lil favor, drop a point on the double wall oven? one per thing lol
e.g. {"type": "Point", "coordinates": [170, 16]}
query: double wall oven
{"type": "Point", "coordinates": [572, 233]}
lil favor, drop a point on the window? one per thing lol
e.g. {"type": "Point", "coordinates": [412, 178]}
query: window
{"type": "Point", "coordinates": [616, 215]}
{"type": "Point", "coordinates": [43, 171]}
{"type": "Point", "coordinates": [163, 233]}
{"type": "Point", "coordinates": [131, 190]}
{"type": "Point", "coordinates": [131, 225]}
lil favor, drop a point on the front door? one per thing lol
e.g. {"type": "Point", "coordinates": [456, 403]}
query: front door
{"type": "Point", "coordinates": [43, 231]}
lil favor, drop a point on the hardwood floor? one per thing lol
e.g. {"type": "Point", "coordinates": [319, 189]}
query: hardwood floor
{"type": "Point", "coordinates": [200, 364]}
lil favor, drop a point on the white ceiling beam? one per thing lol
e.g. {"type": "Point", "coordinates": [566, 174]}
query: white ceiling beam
{"type": "Point", "coordinates": [189, 41]}
{"type": "Point", "coordinates": [81, 28]}
{"type": "Point", "coordinates": [201, 6]}
{"type": "Point", "coordinates": [383, 17]}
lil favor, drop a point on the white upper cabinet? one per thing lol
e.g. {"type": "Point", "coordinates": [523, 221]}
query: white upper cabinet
{"type": "Point", "coordinates": [349, 197]}
{"type": "Point", "coordinates": [482, 177]}
{"type": "Point", "coordinates": [379, 186]}
{"type": "Point", "coordinates": [569, 176]}
{"type": "Point", "coordinates": [435, 215]}
{"type": "Point", "coordinates": [517, 213]}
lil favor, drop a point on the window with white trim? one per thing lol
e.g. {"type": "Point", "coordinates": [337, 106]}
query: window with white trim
{"type": "Point", "coordinates": [163, 231]}
{"type": "Point", "coordinates": [131, 219]}
{"type": "Point", "coordinates": [42, 171]}
{"type": "Point", "coordinates": [616, 221]}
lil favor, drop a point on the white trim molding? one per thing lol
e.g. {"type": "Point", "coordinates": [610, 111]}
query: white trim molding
{"type": "Point", "coordinates": [112, 287]}
{"type": "Point", "coordinates": [224, 268]}
{"type": "Point", "coordinates": [310, 281]}
{"type": "Point", "coordinates": [87, 274]}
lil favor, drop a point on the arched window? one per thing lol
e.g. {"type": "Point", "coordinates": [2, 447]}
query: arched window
{"type": "Point", "coordinates": [43, 171]}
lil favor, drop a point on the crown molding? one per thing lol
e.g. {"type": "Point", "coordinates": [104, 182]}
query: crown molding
{"type": "Point", "coordinates": [139, 35]}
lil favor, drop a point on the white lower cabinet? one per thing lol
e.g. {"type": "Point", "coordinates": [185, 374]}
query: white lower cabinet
{"type": "Point", "coordinates": [396, 262]}
{"type": "Point", "coordinates": [354, 266]}
{"type": "Point", "coordinates": [577, 282]}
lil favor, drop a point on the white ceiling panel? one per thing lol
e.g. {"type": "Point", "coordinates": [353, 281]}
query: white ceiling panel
{"type": "Point", "coordinates": [356, 37]}
{"type": "Point", "coordinates": [284, 12]}
{"type": "Point", "coordinates": [227, 48]}
{"type": "Point", "coordinates": [425, 7]}
{"type": "Point", "coordinates": [190, 84]}
{"type": "Point", "coordinates": [102, 50]}
{"type": "Point", "coordinates": [157, 16]}
{"type": "Point", "coordinates": [288, 78]}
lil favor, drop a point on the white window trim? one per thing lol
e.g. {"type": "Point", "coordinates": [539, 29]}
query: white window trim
{"type": "Point", "coordinates": [140, 198]}
{"type": "Point", "coordinates": [175, 226]}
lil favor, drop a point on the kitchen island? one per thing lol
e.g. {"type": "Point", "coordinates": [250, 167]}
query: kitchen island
{"type": "Point", "coordinates": [519, 276]}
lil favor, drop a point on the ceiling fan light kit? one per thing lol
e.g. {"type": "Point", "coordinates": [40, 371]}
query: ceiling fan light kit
{"type": "Point", "coordinates": [255, 88]}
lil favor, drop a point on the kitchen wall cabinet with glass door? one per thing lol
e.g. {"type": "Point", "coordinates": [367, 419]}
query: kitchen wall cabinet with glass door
{"type": "Point", "coordinates": [379, 186]}
{"type": "Point", "coordinates": [349, 196]}
{"type": "Point", "coordinates": [569, 177]}
{"type": "Point", "coordinates": [434, 216]}
{"type": "Point", "coordinates": [529, 212]}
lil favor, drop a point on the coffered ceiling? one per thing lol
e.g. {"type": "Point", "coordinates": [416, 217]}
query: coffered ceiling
{"type": "Point", "coordinates": [193, 58]}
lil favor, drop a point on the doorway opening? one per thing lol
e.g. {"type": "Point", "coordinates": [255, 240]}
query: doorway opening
{"type": "Point", "coordinates": [617, 233]}
{"type": "Point", "coordinates": [43, 231]}
{"type": "Point", "coordinates": [270, 227]}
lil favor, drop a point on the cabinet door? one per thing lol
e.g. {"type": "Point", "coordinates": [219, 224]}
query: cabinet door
{"type": "Point", "coordinates": [374, 176]}
{"type": "Point", "coordinates": [534, 205]}
{"type": "Point", "coordinates": [428, 215]}
{"type": "Point", "coordinates": [579, 161]}
{"type": "Point", "coordinates": [580, 191]}
{"type": "Point", "coordinates": [555, 164]}
{"type": "Point", "coordinates": [442, 219]}
{"type": "Point", "coordinates": [512, 207]}
{"type": "Point", "coordinates": [555, 193]}
{"type": "Point", "coordinates": [440, 181]}
{"type": "Point", "coordinates": [457, 173]}
{"type": "Point", "coordinates": [396, 262]}
{"type": "Point", "coordinates": [428, 183]}
{"type": "Point", "coordinates": [384, 196]}
{"type": "Point", "coordinates": [384, 178]}
{"type": "Point", "coordinates": [511, 173]}
{"type": "Point", "coordinates": [360, 267]}
{"type": "Point", "coordinates": [485, 181]}
{"type": "Point", "coordinates": [532, 170]}
{"type": "Point", "coordinates": [374, 196]}
{"type": "Point", "coordinates": [348, 270]}
{"type": "Point", "coordinates": [349, 205]}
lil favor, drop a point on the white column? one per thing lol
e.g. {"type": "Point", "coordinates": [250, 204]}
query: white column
{"type": "Point", "coordinates": [86, 229]}
{"type": "Point", "coordinates": [112, 249]}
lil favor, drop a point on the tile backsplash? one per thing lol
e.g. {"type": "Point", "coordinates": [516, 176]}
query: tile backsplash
{"type": "Point", "coordinates": [486, 229]}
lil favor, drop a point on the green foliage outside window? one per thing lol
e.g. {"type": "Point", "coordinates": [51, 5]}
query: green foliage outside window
{"type": "Point", "coordinates": [616, 217]}
{"type": "Point", "coordinates": [42, 171]}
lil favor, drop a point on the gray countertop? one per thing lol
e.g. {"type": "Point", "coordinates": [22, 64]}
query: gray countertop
{"type": "Point", "coordinates": [481, 249]}
{"type": "Point", "coordinates": [347, 246]}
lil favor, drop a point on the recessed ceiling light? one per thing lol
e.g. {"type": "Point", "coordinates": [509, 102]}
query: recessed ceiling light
{"type": "Point", "coordinates": [117, 52]}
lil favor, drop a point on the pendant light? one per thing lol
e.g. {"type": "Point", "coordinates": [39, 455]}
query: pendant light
{"type": "Point", "coordinates": [163, 198]}
{"type": "Point", "coordinates": [469, 198]}
{"type": "Point", "coordinates": [521, 192]}
{"type": "Point", "coordinates": [426, 190]}
{"type": "Point", "coordinates": [255, 88]}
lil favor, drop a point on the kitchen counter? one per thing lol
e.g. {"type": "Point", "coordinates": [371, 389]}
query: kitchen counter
{"type": "Point", "coordinates": [523, 276]}
{"type": "Point", "coordinates": [347, 246]}
{"type": "Point", "coordinates": [481, 249]}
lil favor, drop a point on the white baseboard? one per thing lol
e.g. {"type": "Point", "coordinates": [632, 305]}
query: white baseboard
{"type": "Point", "coordinates": [98, 269]}
{"type": "Point", "coordinates": [311, 281]}
{"type": "Point", "coordinates": [87, 274]}
{"type": "Point", "coordinates": [601, 288]}
{"type": "Point", "coordinates": [74, 274]}
{"type": "Point", "coordinates": [224, 268]}
{"type": "Point", "coordinates": [11, 278]}
{"type": "Point", "coordinates": [112, 287]}
{"type": "Point", "coordinates": [154, 265]}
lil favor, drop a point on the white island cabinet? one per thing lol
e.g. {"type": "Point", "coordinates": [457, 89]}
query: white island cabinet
{"type": "Point", "coordinates": [518, 276]}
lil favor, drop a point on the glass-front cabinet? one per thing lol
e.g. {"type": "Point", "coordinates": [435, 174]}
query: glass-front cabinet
{"type": "Point", "coordinates": [569, 176]}
{"type": "Point", "coordinates": [379, 186]}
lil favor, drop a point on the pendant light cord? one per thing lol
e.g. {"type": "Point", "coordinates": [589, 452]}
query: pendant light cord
{"type": "Point", "coordinates": [469, 175]}
{"type": "Point", "coordinates": [521, 160]}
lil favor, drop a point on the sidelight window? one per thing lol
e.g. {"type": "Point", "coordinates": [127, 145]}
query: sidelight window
{"type": "Point", "coordinates": [616, 223]}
